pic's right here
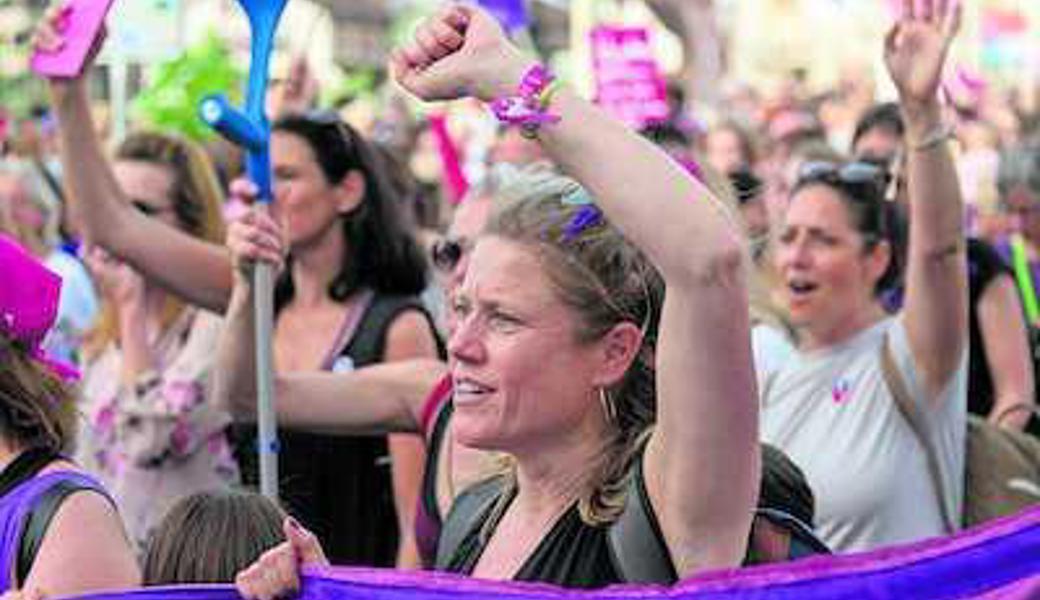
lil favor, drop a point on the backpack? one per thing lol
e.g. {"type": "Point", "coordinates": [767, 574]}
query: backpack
{"type": "Point", "coordinates": [1001, 466]}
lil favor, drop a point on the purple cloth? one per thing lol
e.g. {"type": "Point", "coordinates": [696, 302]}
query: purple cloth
{"type": "Point", "coordinates": [999, 561]}
{"type": "Point", "coordinates": [15, 507]}
{"type": "Point", "coordinates": [512, 14]}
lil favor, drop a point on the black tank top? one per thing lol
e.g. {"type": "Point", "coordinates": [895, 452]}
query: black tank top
{"type": "Point", "coordinates": [338, 486]}
{"type": "Point", "coordinates": [573, 554]}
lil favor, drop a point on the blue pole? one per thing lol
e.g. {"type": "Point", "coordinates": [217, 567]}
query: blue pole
{"type": "Point", "coordinates": [251, 130]}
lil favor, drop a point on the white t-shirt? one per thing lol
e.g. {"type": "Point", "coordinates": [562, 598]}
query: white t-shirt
{"type": "Point", "coordinates": [771, 347]}
{"type": "Point", "coordinates": [831, 411]}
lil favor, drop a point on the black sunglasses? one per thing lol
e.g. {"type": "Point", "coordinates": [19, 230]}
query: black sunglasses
{"type": "Point", "coordinates": [862, 182]}
{"type": "Point", "coordinates": [859, 174]}
{"type": "Point", "coordinates": [329, 120]}
{"type": "Point", "coordinates": [447, 252]}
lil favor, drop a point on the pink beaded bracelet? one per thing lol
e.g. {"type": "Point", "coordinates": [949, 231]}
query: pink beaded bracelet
{"type": "Point", "coordinates": [528, 109]}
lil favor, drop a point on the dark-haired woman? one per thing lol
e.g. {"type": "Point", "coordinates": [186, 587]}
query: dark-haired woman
{"type": "Point", "coordinates": [346, 299]}
{"type": "Point", "coordinates": [830, 407]}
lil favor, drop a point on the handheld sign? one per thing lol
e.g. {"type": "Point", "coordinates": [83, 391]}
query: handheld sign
{"type": "Point", "coordinates": [82, 23]}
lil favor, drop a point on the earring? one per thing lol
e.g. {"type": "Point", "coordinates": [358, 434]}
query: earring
{"type": "Point", "coordinates": [609, 409]}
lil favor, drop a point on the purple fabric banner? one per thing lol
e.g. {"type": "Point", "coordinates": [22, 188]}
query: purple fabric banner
{"type": "Point", "coordinates": [1000, 561]}
{"type": "Point", "coordinates": [512, 14]}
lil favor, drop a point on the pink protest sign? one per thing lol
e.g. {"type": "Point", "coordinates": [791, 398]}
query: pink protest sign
{"type": "Point", "coordinates": [628, 82]}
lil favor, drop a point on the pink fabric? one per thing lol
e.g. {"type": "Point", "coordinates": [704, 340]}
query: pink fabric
{"type": "Point", "coordinates": [450, 161]}
{"type": "Point", "coordinates": [29, 302]}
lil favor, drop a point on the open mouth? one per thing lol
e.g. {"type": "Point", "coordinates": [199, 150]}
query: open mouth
{"type": "Point", "coordinates": [468, 390]}
{"type": "Point", "coordinates": [799, 288]}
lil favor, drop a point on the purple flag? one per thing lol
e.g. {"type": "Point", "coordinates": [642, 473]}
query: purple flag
{"type": "Point", "coordinates": [512, 14]}
{"type": "Point", "coordinates": [999, 561]}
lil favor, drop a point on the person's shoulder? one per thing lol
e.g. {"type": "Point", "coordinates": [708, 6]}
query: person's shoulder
{"type": "Point", "coordinates": [986, 257]}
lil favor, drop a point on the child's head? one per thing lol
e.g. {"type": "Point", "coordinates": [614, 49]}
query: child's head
{"type": "Point", "coordinates": [208, 537]}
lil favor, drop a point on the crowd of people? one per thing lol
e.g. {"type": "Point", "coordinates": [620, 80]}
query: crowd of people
{"type": "Point", "coordinates": [565, 351]}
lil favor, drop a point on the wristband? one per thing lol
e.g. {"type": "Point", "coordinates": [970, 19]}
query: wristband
{"type": "Point", "coordinates": [933, 138]}
{"type": "Point", "coordinates": [528, 109]}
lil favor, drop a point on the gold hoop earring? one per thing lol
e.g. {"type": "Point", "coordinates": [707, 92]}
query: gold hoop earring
{"type": "Point", "coordinates": [609, 409]}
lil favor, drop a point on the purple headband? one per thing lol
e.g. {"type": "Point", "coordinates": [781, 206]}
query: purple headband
{"type": "Point", "coordinates": [29, 303]}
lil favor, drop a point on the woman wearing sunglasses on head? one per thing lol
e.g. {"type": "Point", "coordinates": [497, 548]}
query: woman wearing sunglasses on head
{"type": "Point", "coordinates": [346, 298]}
{"type": "Point", "coordinates": [830, 407]}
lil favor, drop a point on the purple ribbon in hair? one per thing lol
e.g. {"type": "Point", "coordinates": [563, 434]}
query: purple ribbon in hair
{"type": "Point", "coordinates": [587, 216]}
{"type": "Point", "coordinates": [999, 561]}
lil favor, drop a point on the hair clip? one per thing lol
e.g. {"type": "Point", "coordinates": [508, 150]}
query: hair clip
{"type": "Point", "coordinates": [586, 217]}
{"type": "Point", "coordinates": [577, 197]}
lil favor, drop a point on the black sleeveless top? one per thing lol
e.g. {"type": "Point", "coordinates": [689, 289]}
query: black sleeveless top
{"type": "Point", "coordinates": [339, 486]}
{"type": "Point", "coordinates": [573, 554]}
{"type": "Point", "coordinates": [631, 549]}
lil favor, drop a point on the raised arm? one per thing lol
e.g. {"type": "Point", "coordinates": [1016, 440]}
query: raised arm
{"type": "Point", "coordinates": [191, 268]}
{"type": "Point", "coordinates": [702, 461]}
{"type": "Point", "coordinates": [387, 397]}
{"type": "Point", "coordinates": [937, 286]}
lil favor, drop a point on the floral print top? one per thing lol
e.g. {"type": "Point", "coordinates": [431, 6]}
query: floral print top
{"type": "Point", "coordinates": [162, 438]}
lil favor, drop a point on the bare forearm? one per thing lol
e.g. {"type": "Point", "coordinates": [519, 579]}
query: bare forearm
{"type": "Point", "coordinates": [193, 269]}
{"type": "Point", "coordinates": [937, 287]}
{"type": "Point", "coordinates": [384, 398]}
{"type": "Point", "coordinates": [235, 386]}
{"type": "Point", "coordinates": [95, 194]}
{"type": "Point", "coordinates": [650, 198]}
{"type": "Point", "coordinates": [936, 203]}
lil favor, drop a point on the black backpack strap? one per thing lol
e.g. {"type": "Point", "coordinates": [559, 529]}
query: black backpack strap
{"type": "Point", "coordinates": [24, 467]}
{"type": "Point", "coordinates": [636, 543]}
{"type": "Point", "coordinates": [39, 519]}
{"type": "Point", "coordinates": [778, 536]}
{"type": "Point", "coordinates": [428, 494]}
{"type": "Point", "coordinates": [641, 555]}
{"type": "Point", "coordinates": [369, 341]}
{"type": "Point", "coordinates": [466, 515]}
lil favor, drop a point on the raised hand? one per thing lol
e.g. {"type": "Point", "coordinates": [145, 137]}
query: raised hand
{"type": "Point", "coordinates": [460, 51]}
{"type": "Point", "coordinates": [298, 92]}
{"type": "Point", "coordinates": [916, 47]}
{"type": "Point", "coordinates": [117, 281]}
{"type": "Point", "coordinates": [49, 37]}
{"type": "Point", "coordinates": [253, 236]}
{"type": "Point", "coordinates": [277, 572]}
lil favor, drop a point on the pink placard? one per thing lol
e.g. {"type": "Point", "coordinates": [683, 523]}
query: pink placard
{"type": "Point", "coordinates": [82, 25]}
{"type": "Point", "coordinates": [628, 82]}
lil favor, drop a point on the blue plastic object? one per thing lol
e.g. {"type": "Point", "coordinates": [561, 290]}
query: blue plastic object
{"type": "Point", "coordinates": [251, 130]}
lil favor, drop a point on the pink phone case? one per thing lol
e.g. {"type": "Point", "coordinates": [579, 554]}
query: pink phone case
{"type": "Point", "coordinates": [84, 22]}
